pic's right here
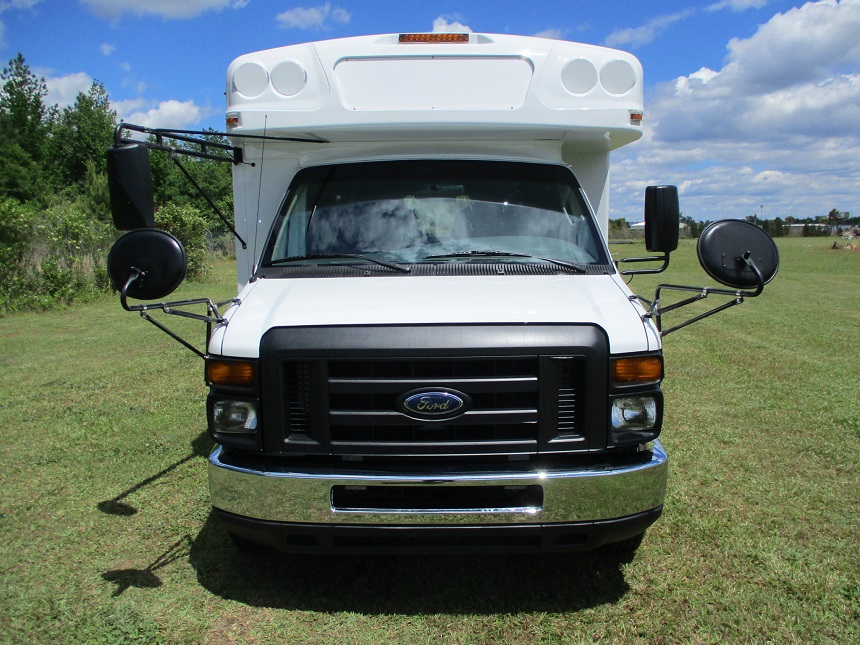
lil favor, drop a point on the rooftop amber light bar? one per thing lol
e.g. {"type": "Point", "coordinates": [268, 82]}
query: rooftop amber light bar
{"type": "Point", "coordinates": [434, 38]}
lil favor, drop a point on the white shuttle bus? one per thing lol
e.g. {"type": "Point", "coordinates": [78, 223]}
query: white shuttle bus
{"type": "Point", "coordinates": [431, 347]}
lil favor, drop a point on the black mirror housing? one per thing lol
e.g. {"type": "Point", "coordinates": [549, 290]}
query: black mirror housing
{"type": "Point", "coordinates": [147, 264]}
{"type": "Point", "coordinates": [727, 250]}
{"type": "Point", "coordinates": [662, 218]}
{"type": "Point", "coordinates": [130, 184]}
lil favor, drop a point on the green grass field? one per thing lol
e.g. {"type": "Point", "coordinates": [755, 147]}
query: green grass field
{"type": "Point", "coordinates": [107, 537]}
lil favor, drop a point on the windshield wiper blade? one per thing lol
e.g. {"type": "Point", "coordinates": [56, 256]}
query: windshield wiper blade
{"type": "Point", "coordinates": [350, 256]}
{"type": "Point", "coordinates": [507, 254]}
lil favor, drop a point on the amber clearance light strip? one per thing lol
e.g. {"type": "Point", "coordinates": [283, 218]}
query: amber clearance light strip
{"type": "Point", "coordinates": [434, 38]}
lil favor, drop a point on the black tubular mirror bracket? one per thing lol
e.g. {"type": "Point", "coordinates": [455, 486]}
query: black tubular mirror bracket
{"type": "Point", "coordinates": [231, 153]}
{"type": "Point", "coordinates": [652, 258]}
{"type": "Point", "coordinates": [209, 201]}
{"type": "Point", "coordinates": [656, 311]}
{"type": "Point", "coordinates": [212, 316]}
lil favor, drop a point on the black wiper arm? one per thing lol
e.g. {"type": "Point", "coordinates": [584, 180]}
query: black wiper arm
{"type": "Point", "coordinates": [329, 256]}
{"type": "Point", "coordinates": [506, 254]}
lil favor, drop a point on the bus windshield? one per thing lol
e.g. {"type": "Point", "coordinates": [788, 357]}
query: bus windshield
{"type": "Point", "coordinates": [435, 211]}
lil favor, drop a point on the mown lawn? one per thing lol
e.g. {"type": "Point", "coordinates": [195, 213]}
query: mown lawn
{"type": "Point", "coordinates": [106, 532]}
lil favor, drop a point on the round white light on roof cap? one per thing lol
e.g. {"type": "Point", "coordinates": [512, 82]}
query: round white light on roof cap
{"type": "Point", "coordinates": [617, 77]}
{"type": "Point", "coordinates": [579, 76]}
{"type": "Point", "coordinates": [250, 79]}
{"type": "Point", "coordinates": [288, 78]}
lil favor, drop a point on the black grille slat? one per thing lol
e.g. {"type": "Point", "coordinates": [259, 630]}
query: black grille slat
{"type": "Point", "coordinates": [464, 368]}
{"type": "Point", "coordinates": [454, 436]}
{"type": "Point", "coordinates": [376, 385]}
{"type": "Point", "coordinates": [473, 418]}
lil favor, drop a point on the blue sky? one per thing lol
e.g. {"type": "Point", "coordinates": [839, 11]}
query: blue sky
{"type": "Point", "coordinates": [752, 106]}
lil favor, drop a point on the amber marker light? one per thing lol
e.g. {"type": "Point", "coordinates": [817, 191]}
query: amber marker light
{"type": "Point", "coordinates": [637, 369]}
{"type": "Point", "coordinates": [434, 38]}
{"type": "Point", "coordinates": [231, 373]}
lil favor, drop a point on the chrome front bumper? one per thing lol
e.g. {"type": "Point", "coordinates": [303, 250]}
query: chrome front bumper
{"type": "Point", "coordinates": [453, 497]}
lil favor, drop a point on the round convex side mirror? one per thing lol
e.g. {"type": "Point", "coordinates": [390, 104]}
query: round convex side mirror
{"type": "Point", "coordinates": [156, 255]}
{"type": "Point", "coordinates": [722, 246]}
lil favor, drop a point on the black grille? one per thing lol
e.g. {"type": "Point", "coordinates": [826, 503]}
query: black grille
{"type": "Point", "coordinates": [349, 401]}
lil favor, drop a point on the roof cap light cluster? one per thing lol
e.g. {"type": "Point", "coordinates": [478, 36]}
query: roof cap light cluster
{"type": "Point", "coordinates": [580, 76]}
{"type": "Point", "coordinates": [288, 78]}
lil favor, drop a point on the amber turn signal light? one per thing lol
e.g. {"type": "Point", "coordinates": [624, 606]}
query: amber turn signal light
{"type": "Point", "coordinates": [231, 373]}
{"type": "Point", "coordinates": [637, 369]}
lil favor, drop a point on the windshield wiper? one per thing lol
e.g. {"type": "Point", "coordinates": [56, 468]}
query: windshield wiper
{"type": "Point", "coordinates": [506, 254]}
{"type": "Point", "coordinates": [329, 256]}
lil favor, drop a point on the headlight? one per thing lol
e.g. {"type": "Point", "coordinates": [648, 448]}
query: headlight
{"type": "Point", "coordinates": [234, 416]}
{"type": "Point", "coordinates": [633, 419]}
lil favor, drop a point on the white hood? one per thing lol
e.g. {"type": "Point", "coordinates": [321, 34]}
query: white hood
{"type": "Point", "coordinates": [404, 300]}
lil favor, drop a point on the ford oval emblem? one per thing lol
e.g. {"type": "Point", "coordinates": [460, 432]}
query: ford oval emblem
{"type": "Point", "coordinates": [434, 404]}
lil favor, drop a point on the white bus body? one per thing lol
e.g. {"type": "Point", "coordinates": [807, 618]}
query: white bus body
{"type": "Point", "coordinates": [475, 399]}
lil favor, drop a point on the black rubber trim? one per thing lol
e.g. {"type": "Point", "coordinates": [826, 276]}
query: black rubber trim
{"type": "Point", "coordinates": [498, 538]}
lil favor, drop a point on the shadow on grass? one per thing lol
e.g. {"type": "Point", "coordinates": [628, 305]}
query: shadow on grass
{"type": "Point", "coordinates": [146, 578]}
{"type": "Point", "coordinates": [200, 447]}
{"type": "Point", "coordinates": [401, 584]}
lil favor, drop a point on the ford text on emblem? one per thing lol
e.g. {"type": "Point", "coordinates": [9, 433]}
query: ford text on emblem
{"type": "Point", "coordinates": [434, 404]}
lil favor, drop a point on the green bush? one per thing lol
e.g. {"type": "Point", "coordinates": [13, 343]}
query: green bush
{"type": "Point", "coordinates": [16, 235]}
{"type": "Point", "coordinates": [50, 256]}
{"type": "Point", "coordinates": [190, 228]}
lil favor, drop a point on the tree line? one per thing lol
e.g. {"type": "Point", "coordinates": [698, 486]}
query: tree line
{"type": "Point", "coordinates": [55, 224]}
{"type": "Point", "coordinates": [834, 223]}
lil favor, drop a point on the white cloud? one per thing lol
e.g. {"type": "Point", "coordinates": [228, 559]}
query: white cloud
{"type": "Point", "coordinates": [799, 45]}
{"type": "Point", "coordinates": [166, 114]}
{"type": "Point", "coordinates": [442, 25]}
{"type": "Point", "coordinates": [775, 127]}
{"type": "Point", "coordinates": [313, 17]}
{"type": "Point", "coordinates": [168, 9]}
{"type": "Point", "coordinates": [107, 49]}
{"type": "Point", "coordinates": [554, 34]}
{"type": "Point", "coordinates": [736, 5]}
{"type": "Point", "coordinates": [63, 90]}
{"type": "Point", "coordinates": [779, 82]}
{"type": "Point", "coordinates": [643, 35]}
{"type": "Point", "coordinates": [128, 107]}
{"type": "Point", "coordinates": [688, 84]}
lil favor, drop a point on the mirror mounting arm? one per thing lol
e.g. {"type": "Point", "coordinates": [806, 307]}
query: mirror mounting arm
{"type": "Point", "coordinates": [208, 200]}
{"type": "Point", "coordinates": [657, 311]}
{"type": "Point", "coordinates": [653, 258]}
{"type": "Point", "coordinates": [212, 317]}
